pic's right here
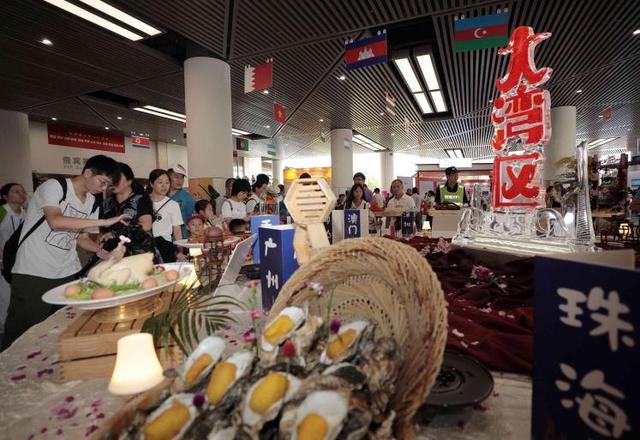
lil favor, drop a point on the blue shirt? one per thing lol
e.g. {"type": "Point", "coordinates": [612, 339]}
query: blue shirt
{"type": "Point", "coordinates": [187, 205]}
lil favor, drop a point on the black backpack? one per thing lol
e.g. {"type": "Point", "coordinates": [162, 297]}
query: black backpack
{"type": "Point", "coordinates": [10, 250]}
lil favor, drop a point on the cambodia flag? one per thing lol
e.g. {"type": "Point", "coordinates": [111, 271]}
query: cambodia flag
{"type": "Point", "coordinates": [481, 32]}
{"type": "Point", "coordinates": [258, 77]}
{"type": "Point", "coordinates": [279, 113]}
{"type": "Point", "coordinates": [366, 52]}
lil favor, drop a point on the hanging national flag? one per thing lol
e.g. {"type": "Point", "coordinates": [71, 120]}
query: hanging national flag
{"type": "Point", "coordinates": [420, 138]}
{"type": "Point", "coordinates": [366, 51]}
{"type": "Point", "coordinates": [242, 144]}
{"type": "Point", "coordinates": [279, 113]}
{"type": "Point", "coordinates": [140, 141]}
{"type": "Point", "coordinates": [271, 150]}
{"type": "Point", "coordinates": [390, 104]}
{"type": "Point", "coordinates": [258, 77]}
{"type": "Point", "coordinates": [406, 125]}
{"type": "Point", "coordinates": [481, 32]}
{"type": "Point", "coordinates": [606, 114]}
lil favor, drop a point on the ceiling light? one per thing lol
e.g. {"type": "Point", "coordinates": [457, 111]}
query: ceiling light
{"type": "Point", "coordinates": [162, 115]}
{"type": "Point", "coordinates": [438, 101]}
{"type": "Point", "coordinates": [393, 134]}
{"type": "Point", "coordinates": [54, 119]}
{"type": "Point", "coordinates": [119, 118]}
{"type": "Point", "coordinates": [599, 142]}
{"type": "Point", "coordinates": [106, 128]}
{"type": "Point", "coordinates": [95, 19]}
{"type": "Point", "coordinates": [165, 111]}
{"type": "Point", "coordinates": [239, 132]}
{"type": "Point", "coordinates": [428, 72]}
{"type": "Point", "coordinates": [422, 101]}
{"type": "Point", "coordinates": [636, 32]}
{"type": "Point", "coordinates": [600, 116]}
{"type": "Point", "coordinates": [381, 114]}
{"type": "Point", "coordinates": [266, 92]}
{"type": "Point", "coordinates": [321, 120]}
{"type": "Point", "coordinates": [367, 143]}
{"type": "Point", "coordinates": [173, 140]}
{"type": "Point", "coordinates": [267, 126]}
{"type": "Point", "coordinates": [342, 77]}
{"type": "Point", "coordinates": [119, 15]}
{"type": "Point", "coordinates": [579, 91]}
{"type": "Point", "coordinates": [46, 42]}
{"type": "Point", "coordinates": [410, 78]}
{"type": "Point", "coordinates": [455, 153]}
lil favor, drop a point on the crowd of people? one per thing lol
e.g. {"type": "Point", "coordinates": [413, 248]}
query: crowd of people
{"type": "Point", "coordinates": [93, 210]}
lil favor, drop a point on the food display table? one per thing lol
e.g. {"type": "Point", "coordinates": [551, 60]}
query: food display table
{"type": "Point", "coordinates": [36, 406]}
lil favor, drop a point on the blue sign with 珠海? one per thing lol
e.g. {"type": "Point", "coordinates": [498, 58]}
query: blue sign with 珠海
{"type": "Point", "coordinates": [256, 222]}
{"type": "Point", "coordinates": [352, 227]}
{"type": "Point", "coordinates": [277, 260]}
{"type": "Point", "coordinates": [586, 378]}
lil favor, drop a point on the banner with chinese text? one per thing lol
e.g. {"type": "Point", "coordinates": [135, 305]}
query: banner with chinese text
{"type": "Point", "coordinates": [85, 138]}
{"type": "Point", "coordinates": [586, 360]}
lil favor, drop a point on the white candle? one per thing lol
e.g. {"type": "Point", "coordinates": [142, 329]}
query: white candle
{"type": "Point", "coordinates": [137, 367]}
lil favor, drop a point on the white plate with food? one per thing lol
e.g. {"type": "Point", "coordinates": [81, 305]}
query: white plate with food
{"type": "Point", "coordinates": [185, 243]}
{"type": "Point", "coordinates": [113, 283]}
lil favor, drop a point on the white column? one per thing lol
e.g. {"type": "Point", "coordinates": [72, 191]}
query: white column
{"type": "Point", "coordinates": [278, 166]}
{"type": "Point", "coordinates": [16, 149]}
{"type": "Point", "coordinates": [563, 140]}
{"type": "Point", "coordinates": [387, 172]}
{"type": "Point", "coordinates": [341, 160]}
{"type": "Point", "coordinates": [208, 103]}
{"type": "Point", "coordinates": [162, 155]}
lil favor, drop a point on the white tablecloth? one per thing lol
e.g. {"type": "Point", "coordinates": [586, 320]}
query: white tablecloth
{"type": "Point", "coordinates": [33, 406]}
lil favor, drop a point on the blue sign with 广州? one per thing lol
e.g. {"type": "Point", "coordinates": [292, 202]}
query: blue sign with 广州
{"type": "Point", "coordinates": [256, 222]}
{"type": "Point", "coordinates": [586, 381]}
{"type": "Point", "coordinates": [277, 260]}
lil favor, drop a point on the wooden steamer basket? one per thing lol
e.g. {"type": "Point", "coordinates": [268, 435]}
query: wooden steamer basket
{"type": "Point", "coordinates": [392, 285]}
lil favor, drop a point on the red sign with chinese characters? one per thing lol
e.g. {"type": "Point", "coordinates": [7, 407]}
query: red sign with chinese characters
{"type": "Point", "coordinates": [517, 180]}
{"type": "Point", "coordinates": [521, 117]}
{"type": "Point", "coordinates": [84, 138]}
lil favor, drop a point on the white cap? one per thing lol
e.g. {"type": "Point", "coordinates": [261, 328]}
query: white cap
{"type": "Point", "coordinates": [178, 169]}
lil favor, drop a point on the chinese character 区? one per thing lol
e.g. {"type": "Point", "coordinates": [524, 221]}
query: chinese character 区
{"type": "Point", "coordinates": [517, 180]}
{"type": "Point", "coordinates": [597, 410]}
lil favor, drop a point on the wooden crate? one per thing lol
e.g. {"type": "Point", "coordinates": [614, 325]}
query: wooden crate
{"type": "Point", "coordinates": [88, 348]}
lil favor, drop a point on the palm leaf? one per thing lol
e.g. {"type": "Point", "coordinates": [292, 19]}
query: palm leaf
{"type": "Point", "coordinates": [192, 311]}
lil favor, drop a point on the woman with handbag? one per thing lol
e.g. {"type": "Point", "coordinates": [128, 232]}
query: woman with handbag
{"type": "Point", "coordinates": [167, 218]}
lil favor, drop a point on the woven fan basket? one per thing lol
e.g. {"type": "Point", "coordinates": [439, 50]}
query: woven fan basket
{"type": "Point", "coordinates": [390, 284]}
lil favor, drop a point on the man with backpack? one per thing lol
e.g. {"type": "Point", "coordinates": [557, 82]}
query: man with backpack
{"type": "Point", "coordinates": [60, 216]}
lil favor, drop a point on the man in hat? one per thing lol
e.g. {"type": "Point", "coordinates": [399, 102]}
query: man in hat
{"type": "Point", "coordinates": [177, 173]}
{"type": "Point", "coordinates": [451, 192]}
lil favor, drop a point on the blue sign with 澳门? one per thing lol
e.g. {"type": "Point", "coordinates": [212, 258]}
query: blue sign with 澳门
{"type": "Point", "coordinates": [256, 222]}
{"type": "Point", "coordinates": [586, 381]}
{"type": "Point", "coordinates": [408, 223]}
{"type": "Point", "coordinates": [277, 260]}
{"type": "Point", "coordinates": [352, 227]}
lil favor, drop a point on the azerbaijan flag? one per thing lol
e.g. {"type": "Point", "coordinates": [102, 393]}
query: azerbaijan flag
{"type": "Point", "coordinates": [481, 32]}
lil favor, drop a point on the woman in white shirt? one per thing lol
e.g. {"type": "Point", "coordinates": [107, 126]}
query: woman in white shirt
{"type": "Point", "coordinates": [12, 199]}
{"type": "Point", "coordinates": [167, 218]}
{"type": "Point", "coordinates": [234, 207]}
{"type": "Point", "coordinates": [355, 200]}
{"type": "Point", "coordinates": [259, 189]}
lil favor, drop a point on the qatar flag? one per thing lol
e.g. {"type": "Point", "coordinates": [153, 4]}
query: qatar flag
{"type": "Point", "coordinates": [258, 77]}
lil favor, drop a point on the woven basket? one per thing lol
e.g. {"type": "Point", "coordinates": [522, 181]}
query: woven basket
{"type": "Point", "coordinates": [390, 284]}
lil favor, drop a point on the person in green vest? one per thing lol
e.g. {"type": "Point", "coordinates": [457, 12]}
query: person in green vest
{"type": "Point", "coordinates": [451, 192]}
